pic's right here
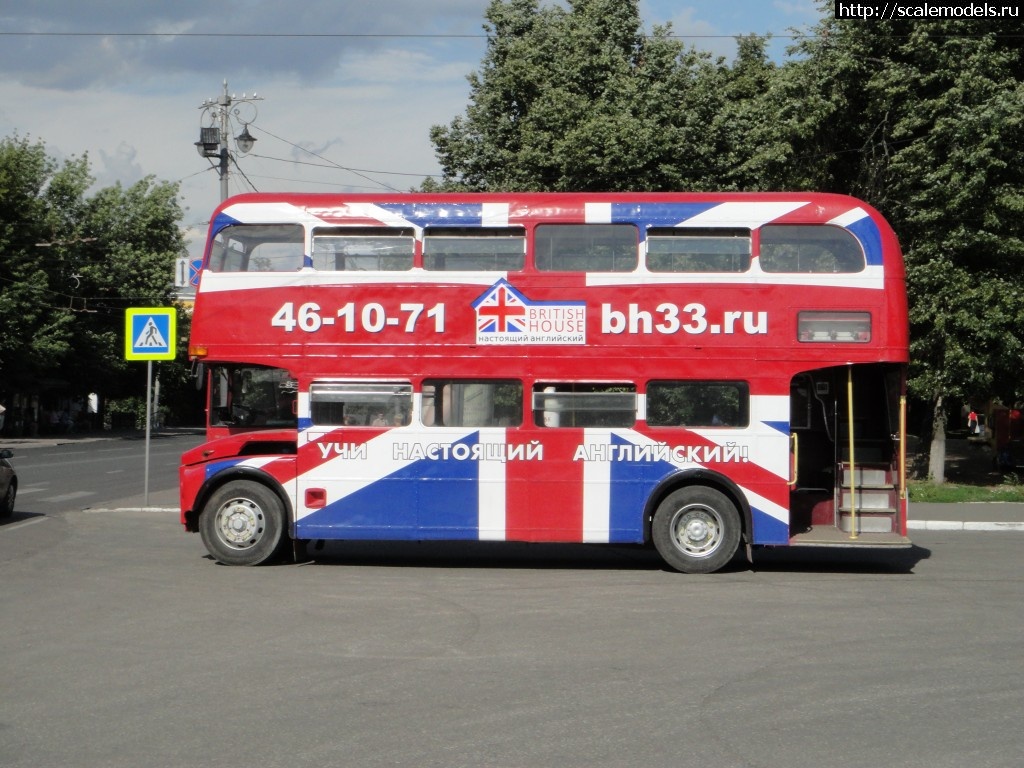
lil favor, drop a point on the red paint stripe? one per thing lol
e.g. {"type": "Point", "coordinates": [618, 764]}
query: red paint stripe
{"type": "Point", "coordinates": [544, 499]}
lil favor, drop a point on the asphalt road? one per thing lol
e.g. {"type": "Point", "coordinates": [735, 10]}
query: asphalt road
{"type": "Point", "coordinates": [122, 644]}
{"type": "Point", "coordinates": [57, 474]}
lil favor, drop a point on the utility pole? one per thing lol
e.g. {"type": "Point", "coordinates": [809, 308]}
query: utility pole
{"type": "Point", "coordinates": [215, 130]}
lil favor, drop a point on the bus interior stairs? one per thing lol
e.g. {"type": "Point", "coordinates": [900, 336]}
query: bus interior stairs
{"type": "Point", "coordinates": [862, 511]}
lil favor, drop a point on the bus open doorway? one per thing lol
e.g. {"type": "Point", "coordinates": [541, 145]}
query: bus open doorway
{"type": "Point", "coordinates": [847, 457]}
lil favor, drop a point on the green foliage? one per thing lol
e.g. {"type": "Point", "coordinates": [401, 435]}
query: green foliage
{"type": "Point", "coordinates": [36, 332]}
{"type": "Point", "coordinates": [71, 263]}
{"type": "Point", "coordinates": [575, 99]}
{"type": "Point", "coordinates": [923, 492]}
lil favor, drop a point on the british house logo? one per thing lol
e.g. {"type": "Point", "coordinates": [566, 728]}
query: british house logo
{"type": "Point", "coordinates": [505, 316]}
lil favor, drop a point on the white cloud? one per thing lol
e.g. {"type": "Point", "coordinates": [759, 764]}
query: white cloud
{"type": "Point", "coordinates": [359, 83]}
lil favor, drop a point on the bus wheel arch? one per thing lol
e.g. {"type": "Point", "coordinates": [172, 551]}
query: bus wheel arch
{"type": "Point", "coordinates": [243, 521]}
{"type": "Point", "coordinates": [698, 522]}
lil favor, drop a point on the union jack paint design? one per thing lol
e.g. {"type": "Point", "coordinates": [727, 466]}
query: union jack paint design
{"type": "Point", "coordinates": [587, 485]}
{"type": "Point", "coordinates": [529, 482]}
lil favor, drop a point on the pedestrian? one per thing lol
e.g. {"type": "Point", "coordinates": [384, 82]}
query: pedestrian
{"type": "Point", "coordinates": [972, 422]}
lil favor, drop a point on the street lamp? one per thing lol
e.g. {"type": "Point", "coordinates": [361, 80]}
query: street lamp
{"type": "Point", "coordinates": [213, 137]}
{"type": "Point", "coordinates": [245, 140]}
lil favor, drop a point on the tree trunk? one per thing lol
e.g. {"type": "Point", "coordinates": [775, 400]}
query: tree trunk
{"type": "Point", "coordinates": [937, 454]}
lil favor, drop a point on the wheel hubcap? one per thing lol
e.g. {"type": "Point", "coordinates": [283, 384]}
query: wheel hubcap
{"type": "Point", "coordinates": [697, 530]}
{"type": "Point", "coordinates": [240, 523]}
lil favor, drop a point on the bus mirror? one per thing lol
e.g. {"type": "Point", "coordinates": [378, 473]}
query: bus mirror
{"type": "Point", "coordinates": [199, 373]}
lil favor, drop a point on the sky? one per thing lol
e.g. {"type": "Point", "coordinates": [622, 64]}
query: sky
{"type": "Point", "coordinates": [348, 89]}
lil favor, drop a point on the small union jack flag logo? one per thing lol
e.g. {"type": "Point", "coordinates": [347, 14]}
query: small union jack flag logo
{"type": "Point", "coordinates": [505, 316]}
{"type": "Point", "coordinates": [501, 310]}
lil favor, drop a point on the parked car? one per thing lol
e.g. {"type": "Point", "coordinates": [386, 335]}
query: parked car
{"type": "Point", "coordinates": [8, 484]}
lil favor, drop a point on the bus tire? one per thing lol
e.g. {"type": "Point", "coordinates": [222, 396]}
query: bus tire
{"type": "Point", "coordinates": [243, 523]}
{"type": "Point", "coordinates": [696, 529]}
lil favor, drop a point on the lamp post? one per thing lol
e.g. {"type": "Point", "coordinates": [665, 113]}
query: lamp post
{"type": "Point", "coordinates": [215, 128]}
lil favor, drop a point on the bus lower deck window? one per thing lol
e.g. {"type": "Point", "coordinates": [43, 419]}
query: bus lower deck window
{"type": "Point", "coordinates": [698, 404]}
{"type": "Point", "coordinates": [584, 405]}
{"type": "Point", "coordinates": [472, 403]}
{"type": "Point", "coordinates": [360, 403]}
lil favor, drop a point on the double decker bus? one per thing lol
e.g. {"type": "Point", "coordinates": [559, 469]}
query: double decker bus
{"type": "Point", "coordinates": [702, 373]}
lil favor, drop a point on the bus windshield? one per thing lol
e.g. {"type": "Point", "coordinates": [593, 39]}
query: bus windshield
{"type": "Point", "coordinates": [252, 396]}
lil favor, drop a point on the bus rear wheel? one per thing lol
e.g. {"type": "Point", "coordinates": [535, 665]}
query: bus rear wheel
{"type": "Point", "coordinates": [243, 523]}
{"type": "Point", "coordinates": [696, 529]}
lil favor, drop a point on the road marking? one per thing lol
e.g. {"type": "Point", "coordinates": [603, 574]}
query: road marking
{"type": "Point", "coordinates": [67, 497]}
{"type": "Point", "coordinates": [22, 524]}
{"type": "Point", "coordinates": [97, 510]}
{"type": "Point", "coordinates": [24, 490]}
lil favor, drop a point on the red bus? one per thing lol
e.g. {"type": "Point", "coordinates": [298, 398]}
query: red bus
{"type": "Point", "coordinates": [697, 372]}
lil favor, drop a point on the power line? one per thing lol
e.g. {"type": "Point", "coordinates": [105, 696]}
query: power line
{"type": "Point", "coordinates": [336, 166]}
{"type": "Point", "coordinates": [354, 35]}
{"type": "Point", "coordinates": [460, 36]}
{"type": "Point", "coordinates": [443, 35]}
{"type": "Point", "coordinates": [358, 173]}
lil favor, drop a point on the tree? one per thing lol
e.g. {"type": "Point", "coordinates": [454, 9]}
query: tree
{"type": "Point", "coordinates": [36, 227]}
{"type": "Point", "coordinates": [741, 138]}
{"type": "Point", "coordinates": [70, 266]}
{"type": "Point", "coordinates": [135, 239]}
{"type": "Point", "coordinates": [576, 99]}
{"type": "Point", "coordinates": [923, 120]}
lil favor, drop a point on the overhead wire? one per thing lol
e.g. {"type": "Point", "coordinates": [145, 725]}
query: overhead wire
{"type": "Point", "coordinates": [792, 35]}
{"type": "Point", "coordinates": [358, 173]}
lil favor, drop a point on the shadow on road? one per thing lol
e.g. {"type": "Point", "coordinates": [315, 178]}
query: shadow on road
{"type": "Point", "coordinates": [523, 556]}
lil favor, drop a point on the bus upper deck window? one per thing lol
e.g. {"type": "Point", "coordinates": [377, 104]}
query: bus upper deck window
{"type": "Point", "coordinates": [810, 248]}
{"type": "Point", "coordinates": [448, 249]}
{"type": "Point", "coordinates": [257, 248]}
{"type": "Point", "coordinates": [586, 247]}
{"type": "Point", "coordinates": [698, 250]}
{"type": "Point", "coordinates": [363, 249]}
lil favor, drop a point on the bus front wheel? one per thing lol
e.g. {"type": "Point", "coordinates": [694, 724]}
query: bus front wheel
{"type": "Point", "coordinates": [696, 529]}
{"type": "Point", "coordinates": [243, 523]}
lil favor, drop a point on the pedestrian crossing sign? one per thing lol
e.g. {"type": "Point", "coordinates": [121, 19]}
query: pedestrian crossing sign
{"type": "Point", "coordinates": [150, 333]}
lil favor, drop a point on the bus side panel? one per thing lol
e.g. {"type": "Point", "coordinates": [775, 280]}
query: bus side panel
{"type": "Point", "coordinates": [386, 484]}
{"type": "Point", "coordinates": [552, 485]}
{"type": "Point", "coordinates": [586, 489]}
{"type": "Point", "coordinates": [545, 496]}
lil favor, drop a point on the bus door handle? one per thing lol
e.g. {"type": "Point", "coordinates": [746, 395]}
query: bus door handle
{"type": "Point", "coordinates": [794, 461]}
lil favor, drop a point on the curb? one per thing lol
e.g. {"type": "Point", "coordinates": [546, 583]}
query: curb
{"type": "Point", "coordinates": [958, 525]}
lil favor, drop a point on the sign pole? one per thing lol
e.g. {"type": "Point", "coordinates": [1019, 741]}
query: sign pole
{"type": "Point", "coordinates": [150, 334]}
{"type": "Point", "coordinates": [149, 407]}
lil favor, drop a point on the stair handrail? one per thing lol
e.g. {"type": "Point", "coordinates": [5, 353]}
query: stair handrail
{"type": "Point", "coordinates": [853, 463]}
